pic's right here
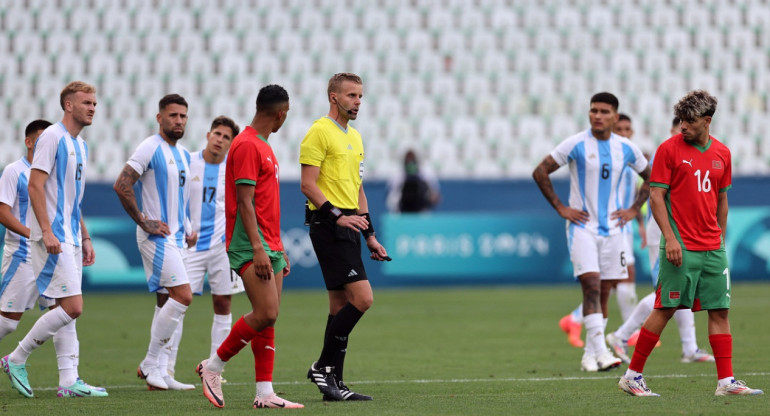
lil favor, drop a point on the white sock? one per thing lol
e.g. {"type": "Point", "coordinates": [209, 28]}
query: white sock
{"type": "Point", "coordinates": [220, 328]}
{"type": "Point", "coordinates": [594, 324]}
{"type": "Point", "coordinates": [45, 327]}
{"type": "Point", "coordinates": [685, 320]}
{"type": "Point", "coordinates": [65, 342]}
{"type": "Point", "coordinates": [264, 389]}
{"type": "Point", "coordinates": [163, 329]}
{"type": "Point", "coordinates": [172, 349]}
{"type": "Point", "coordinates": [215, 363]}
{"type": "Point", "coordinates": [725, 381]}
{"type": "Point", "coordinates": [604, 324]}
{"type": "Point", "coordinates": [577, 314]}
{"type": "Point", "coordinates": [7, 325]}
{"type": "Point", "coordinates": [637, 318]}
{"type": "Point", "coordinates": [631, 374]}
{"type": "Point", "coordinates": [626, 298]}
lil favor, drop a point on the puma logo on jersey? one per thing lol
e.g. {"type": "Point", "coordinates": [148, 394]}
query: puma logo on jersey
{"type": "Point", "coordinates": [689, 162]}
{"type": "Point", "coordinates": [269, 159]}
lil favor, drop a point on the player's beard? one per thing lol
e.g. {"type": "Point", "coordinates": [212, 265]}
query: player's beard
{"type": "Point", "coordinates": [173, 135]}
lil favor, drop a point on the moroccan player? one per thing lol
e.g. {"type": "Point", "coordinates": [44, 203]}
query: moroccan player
{"type": "Point", "coordinates": [690, 179]}
{"type": "Point", "coordinates": [255, 249]}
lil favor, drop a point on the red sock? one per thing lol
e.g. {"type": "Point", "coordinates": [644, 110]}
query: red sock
{"type": "Point", "coordinates": [644, 346]}
{"type": "Point", "coordinates": [239, 336]}
{"type": "Point", "coordinates": [263, 347]}
{"type": "Point", "coordinates": [722, 346]}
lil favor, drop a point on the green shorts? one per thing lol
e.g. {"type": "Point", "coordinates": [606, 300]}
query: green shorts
{"type": "Point", "coordinates": [240, 260]}
{"type": "Point", "coordinates": [701, 282]}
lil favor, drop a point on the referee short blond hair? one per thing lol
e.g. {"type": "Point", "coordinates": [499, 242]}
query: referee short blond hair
{"type": "Point", "coordinates": [336, 81]}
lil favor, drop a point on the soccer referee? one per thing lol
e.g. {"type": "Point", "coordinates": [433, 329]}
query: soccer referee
{"type": "Point", "coordinates": [332, 159]}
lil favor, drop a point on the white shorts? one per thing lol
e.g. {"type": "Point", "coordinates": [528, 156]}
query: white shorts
{"type": "Point", "coordinates": [591, 253]}
{"type": "Point", "coordinates": [163, 264]}
{"type": "Point", "coordinates": [58, 275]}
{"type": "Point", "coordinates": [18, 290]}
{"type": "Point", "coordinates": [653, 252]}
{"type": "Point", "coordinates": [222, 280]}
{"type": "Point", "coordinates": [629, 237]}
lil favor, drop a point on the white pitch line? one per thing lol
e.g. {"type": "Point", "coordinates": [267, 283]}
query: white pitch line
{"type": "Point", "coordinates": [454, 380]}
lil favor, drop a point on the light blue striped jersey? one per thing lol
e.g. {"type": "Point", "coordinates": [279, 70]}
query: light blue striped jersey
{"type": "Point", "coordinates": [163, 173]}
{"type": "Point", "coordinates": [13, 192]}
{"type": "Point", "coordinates": [207, 201]}
{"type": "Point", "coordinates": [64, 158]}
{"type": "Point", "coordinates": [595, 167]}
{"type": "Point", "coordinates": [627, 192]}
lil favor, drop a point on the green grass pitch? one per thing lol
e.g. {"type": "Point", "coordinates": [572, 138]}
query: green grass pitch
{"type": "Point", "coordinates": [436, 351]}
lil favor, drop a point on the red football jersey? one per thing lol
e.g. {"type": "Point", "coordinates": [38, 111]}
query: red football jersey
{"type": "Point", "coordinates": [251, 161]}
{"type": "Point", "coordinates": [694, 177]}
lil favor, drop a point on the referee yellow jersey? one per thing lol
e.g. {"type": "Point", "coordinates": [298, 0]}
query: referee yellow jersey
{"type": "Point", "coordinates": [339, 153]}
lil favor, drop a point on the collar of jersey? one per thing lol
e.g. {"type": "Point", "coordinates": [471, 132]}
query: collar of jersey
{"type": "Point", "coordinates": [344, 129]}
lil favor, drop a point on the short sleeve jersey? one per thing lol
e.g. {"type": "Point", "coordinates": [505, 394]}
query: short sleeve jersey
{"type": "Point", "coordinates": [595, 167]}
{"type": "Point", "coordinates": [163, 174]}
{"type": "Point", "coordinates": [64, 158]}
{"type": "Point", "coordinates": [13, 192]}
{"type": "Point", "coordinates": [339, 153]}
{"type": "Point", "coordinates": [207, 201]}
{"type": "Point", "coordinates": [694, 177]}
{"type": "Point", "coordinates": [251, 161]}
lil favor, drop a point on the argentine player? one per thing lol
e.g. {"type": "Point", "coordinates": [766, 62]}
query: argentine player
{"type": "Point", "coordinates": [161, 166]}
{"type": "Point", "coordinates": [59, 242]}
{"type": "Point", "coordinates": [596, 158]}
{"type": "Point", "coordinates": [207, 216]}
{"type": "Point", "coordinates": [18, 290]}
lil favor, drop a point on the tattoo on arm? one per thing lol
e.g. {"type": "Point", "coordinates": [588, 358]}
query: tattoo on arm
{"type": "Point", "coordinates": [543, 181]}
{"type": "Point", "coordinates": [124, 187]}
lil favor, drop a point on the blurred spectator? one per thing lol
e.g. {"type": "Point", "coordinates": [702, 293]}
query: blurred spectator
{"type": "Point", "coordinates": [416, 189]}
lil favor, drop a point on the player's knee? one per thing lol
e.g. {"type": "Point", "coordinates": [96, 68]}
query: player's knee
{"type": "Point", "coordinates": [185, 298]}
{"type": "Point", "coordinates": [363, 303]}
{"type": "Point", "coordinates": [73, 311]}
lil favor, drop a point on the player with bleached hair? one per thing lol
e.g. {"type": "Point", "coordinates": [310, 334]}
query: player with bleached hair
{"type": "Point", "coordinates": [690, 179]}
{"type": "Point", "coordinates": [59, 242]}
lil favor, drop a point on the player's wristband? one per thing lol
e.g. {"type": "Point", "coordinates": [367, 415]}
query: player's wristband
{"type": "Point", "coordinates": [330, 211]}
{"type": "Point", "coordinates": [369, 232]}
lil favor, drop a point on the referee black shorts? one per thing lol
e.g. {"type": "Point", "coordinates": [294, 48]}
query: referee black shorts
{"type": "Point", "coordinates": [338, 250]}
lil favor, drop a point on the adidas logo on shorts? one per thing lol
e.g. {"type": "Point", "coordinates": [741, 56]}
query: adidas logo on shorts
{"type": "Point", "coordinates": [352, 273]}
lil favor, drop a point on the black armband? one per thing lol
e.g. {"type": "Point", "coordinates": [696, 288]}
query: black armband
{"type": "Point", "coordinates": [369, 231]}
{"type": "Point", "coordinates": [330, 211]}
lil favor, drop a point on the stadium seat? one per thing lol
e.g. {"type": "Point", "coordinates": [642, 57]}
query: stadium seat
{"type": "Point", "coordinates": [600, 16]}
{"type": "Point", "coordinates": [178, 21]}
{"type": "Point", "coordinates": [451, 40]}
{"type": "Point", "coordinates": [504, 18]}
{"type": "Point", "coordinates": [146, 19]}
{"type": "Point", "coordinates": [407, 18]}
{"type": "Point", "coordinates": [568, 17]}
{"type": "Point", "coordinates": [418, 41]}
{"type": "Point", "coordinates": [547, 39]}
{"type": "Point", "coordinates": [470, 18]}
{"type": "Point", "coordinates": [536, 18]}
{"type": "Point", "coordinates": [27, 42]}
{"type": "Point", "coordinates": [441, 19]}
{"type": "Point", "coordinates": [385, 41]}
